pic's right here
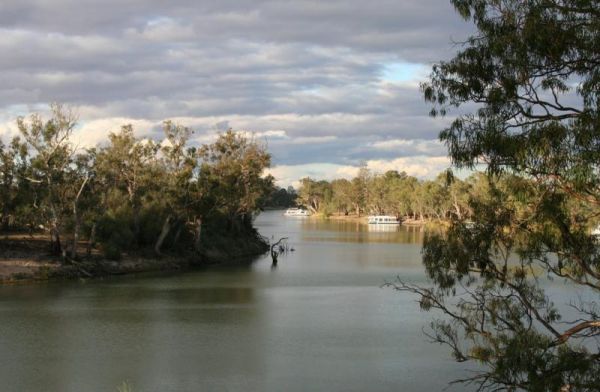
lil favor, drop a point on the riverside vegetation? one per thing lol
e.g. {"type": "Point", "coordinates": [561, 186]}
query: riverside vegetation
{"type": "Point", "coordinates": [132, 200]}
{"type": "Point", "coordinates": [528, 84]}
{"type": "Point", "coordinates": [396, 193]}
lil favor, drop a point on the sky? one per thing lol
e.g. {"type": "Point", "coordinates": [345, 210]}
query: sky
{"type": "Point", "coordinates": [326, 85]}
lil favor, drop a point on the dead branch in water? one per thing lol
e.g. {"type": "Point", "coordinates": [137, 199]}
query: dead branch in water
{"type": "Point", "coordinates": [274, 253]}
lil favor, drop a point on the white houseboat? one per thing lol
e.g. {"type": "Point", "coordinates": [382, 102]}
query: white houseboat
{"type": "Point", "coordinates": [383, 220]}
{"type": "Point", "coordinates": [296, 212]}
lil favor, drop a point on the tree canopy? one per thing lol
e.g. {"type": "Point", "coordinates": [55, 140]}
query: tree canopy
{"type": "Point", "coordinates": [130, 194]}
{"type": "Point", "coordinates": [526, 91]}
{"type": "Point", "coordinates": [391, 193]}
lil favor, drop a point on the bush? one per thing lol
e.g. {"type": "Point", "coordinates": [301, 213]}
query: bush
{"type": "Point", "coordinates": [114, 235]}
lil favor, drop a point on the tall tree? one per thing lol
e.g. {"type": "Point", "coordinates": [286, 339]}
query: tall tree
{"type": "Point", "coordinates": [13, 191]}
{"type": "Point", "coordinates": [533, 69]}
{"type": "Point", "coordinates": [341, 199]}
{"type": "Point", "coordinates": [233, 169]}
{"type": "Point", "coordinates": [53, 153]}
{"type": "Point", "coordinates": [360, 189]}
{"type": "Point", "coordinates": [128, 164]}
{"type": "Point", "coordinates": [179, 163]}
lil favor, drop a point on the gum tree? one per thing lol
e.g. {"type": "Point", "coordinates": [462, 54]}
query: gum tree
{"type": "Point", "coordinates": [232, 172]}
{"type": "Point", "coordinates": [52, 155]}
{"type": "Point", "coordinates": [529, 83]}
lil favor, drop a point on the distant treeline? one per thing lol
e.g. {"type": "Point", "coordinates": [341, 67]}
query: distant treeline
{"type": "Point", "coordinates": [282, 198]}
{"type": "Point", "coordinates": [396, 193]}
{"type": "Point", "coordinates": [132, 193]}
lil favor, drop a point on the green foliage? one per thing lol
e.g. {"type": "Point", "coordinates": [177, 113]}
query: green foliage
{"type": "Point", "coordinates": [391, 193]}
{"type": "Point", "coordinates": [314, 194]}
{"type": "Point", "coordinates": [50, 166]}
{"type": "Point", "coordinates": [131, 194]}
{"type": "Point", "coordinates": [281, 198]}
{"type": "Point", "coordinates": [533, 70]}
{"type": "Point", "coordinates": [232, 170]}
{"type": "Point", "coordinates": [115, 235]}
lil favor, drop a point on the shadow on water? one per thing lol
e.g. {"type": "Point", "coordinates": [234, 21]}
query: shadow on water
{"type": "Point", "coordinates": [319, 321]}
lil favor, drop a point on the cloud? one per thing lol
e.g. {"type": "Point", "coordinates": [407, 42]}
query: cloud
{"type": "Point", "coordinates": [422, 167]}
{"type": "Point", "coordinates": [410, 146]}
{"type": "Point", "coordinates": [314, 139]}
{"type": "Point", "coordinates": [323, 83]}
{"type": "Point", "coordinates": [404, 72]}
{"type": "Point", "coordinates": [417, 166]}
{"type": "Point", "coordinates": [92, 133]}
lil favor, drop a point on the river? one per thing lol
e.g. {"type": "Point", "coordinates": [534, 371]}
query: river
{"type": "Point", "coordinates": [319, 321]}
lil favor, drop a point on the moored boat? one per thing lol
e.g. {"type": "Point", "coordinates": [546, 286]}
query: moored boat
{"type": "Point", "coordinates": [296, 212]}
{"type": "Point", "coordinates": [383, 220]}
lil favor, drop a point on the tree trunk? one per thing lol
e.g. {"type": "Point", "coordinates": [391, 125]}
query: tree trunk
{"type": "Point", "coordinates": [177, 234]}
{"type": "Point", "coordinates": [198, 233]}
{"type": "Point", "coordinates": [76, 219]}
{"type": "Point", "coordinates": [136, 224]}
{"type": "Point", "coordinates": [457, 208]}
{"type": "Point", "coordinates": [75, 237]}
{"type": "Point", "coordinates": [5, 220]}
{"type": "Point", "coordinates": [163, 234]}
{"type": "Point", "coordinates": [55, 247]}
{"type": "Point", "coordinates": [91, 240]}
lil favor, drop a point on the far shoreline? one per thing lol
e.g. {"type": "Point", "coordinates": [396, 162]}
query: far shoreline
{"type": "Point", "coordinates": [360, 219]}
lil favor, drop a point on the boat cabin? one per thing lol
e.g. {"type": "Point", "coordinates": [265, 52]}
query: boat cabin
{"type": "Point", "coordinates": [383, 220]}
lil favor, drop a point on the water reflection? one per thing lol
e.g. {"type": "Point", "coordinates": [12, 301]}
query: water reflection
{"type": "Point", "coordinates": [383, 228]}
{"type": "Point", "coordinates": [317, 322]}
{"type": "Point", "coordinates": [351, 231]}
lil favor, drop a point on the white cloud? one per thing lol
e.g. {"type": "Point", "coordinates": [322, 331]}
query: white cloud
{"type": "Point", "coordinates": [417, 166]}
{"type": "Point", "coordinates": [410, 146]}
{"type": "Point", "coordinates": [422, 167]}
{"type": "Point", "coordinates": [269, 134]}
{"type": "Point", "coordinates": [314, 139]}
{"type": "Point", "coordinates": [286, 175]}
{"type": "Point", "coordinates": [325, 84]}
{"type": "Point", "coordinates": [8, 129]}
{"type": "Point", "coordinates": [164, 30]}
{"type": "Point", "coordinates": [92, 133]}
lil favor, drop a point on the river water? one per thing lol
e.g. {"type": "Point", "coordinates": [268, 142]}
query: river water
{"type": "Point", "coordinates": [319, 321]}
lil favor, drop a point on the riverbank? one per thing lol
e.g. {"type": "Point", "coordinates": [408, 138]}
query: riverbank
{"type": "Point", "coordinates": [364, 219]}
{"type": "Point", "coordinates": [25, 259]}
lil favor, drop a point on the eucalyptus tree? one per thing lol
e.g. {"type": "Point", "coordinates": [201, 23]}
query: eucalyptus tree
{"type": "Point", "coordinates": [341, 190]}
{"type": "Point", "coordinates": [128, 165]}
{"type": "Point", "coordinates": [282, 197]}
{"type": "Point", "coordinates": [360, 189]}
{"type": "Point", "coordinates": [314, 194]}
{"type": "Point", "coordinates": [79, 176]}
{"type": "Point", "coordinates": [377, 189]}
{"type": "Point", "coordinates": [458, 191]}
{"type": "Point", "coordinates": [232, 169]}
{"type": "Point", "coordinates": [390, 197]}
{"type": "Point", "coordinates": [13, 166]}
{"type": "Point", "coordinates": [52, 154]}
{"type": "Point", "coordinates": [532, 70]}
{"type": "Point", "coordinates": [179, 163]}
{"type": "Point", "coordinates": [405, 194]}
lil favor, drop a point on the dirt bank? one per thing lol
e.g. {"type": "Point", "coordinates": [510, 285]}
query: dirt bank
{"type": "Point", "coordinates": [25, 259]}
